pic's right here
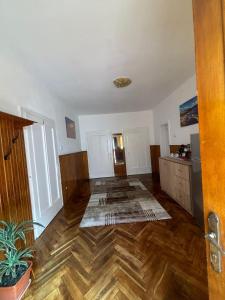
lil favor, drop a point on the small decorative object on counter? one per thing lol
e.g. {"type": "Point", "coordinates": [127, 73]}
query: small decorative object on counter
{"type": "Point", "coordinates": [188, 152]}
{"type": "Point", "coordinates": [185, 151]}
{"type": "Point", "coordinates": [181, 150]}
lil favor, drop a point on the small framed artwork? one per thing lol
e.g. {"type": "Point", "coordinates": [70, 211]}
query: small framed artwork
{"type": "Point", "coordinates": [70, 128]}
{"type": "Point", "coordinates": [189, 112]}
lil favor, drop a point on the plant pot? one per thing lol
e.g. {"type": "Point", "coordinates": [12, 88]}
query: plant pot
{"type": "Point", "coordinates": [16, 291]}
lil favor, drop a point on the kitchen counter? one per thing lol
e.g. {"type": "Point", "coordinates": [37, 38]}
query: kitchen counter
{"type": "Point", "coordinates": [178, 160]}
{"type": "Point", "coordinates": [175, 180]}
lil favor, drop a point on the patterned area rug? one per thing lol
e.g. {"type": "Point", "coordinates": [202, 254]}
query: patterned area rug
{"type": "Point", "coordinates": [116, 201]}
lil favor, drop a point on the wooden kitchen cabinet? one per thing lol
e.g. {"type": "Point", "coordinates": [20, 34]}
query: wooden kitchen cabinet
{"type": "Point", "coordinates": [166, 177]}
{"type": "Point", "coordinates": [175, 180]}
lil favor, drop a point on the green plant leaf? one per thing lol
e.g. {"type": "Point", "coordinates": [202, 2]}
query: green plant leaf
{"type": "Point", "coordinates": [21, 235]}
{"type": "Point", "coordinates": [9, 233]}
{"type": "Point", "coordinates": [3, 223]}
{"type": "Point", "coordinates": [25, 253]}
{"type": "Point", "coordinates": [7, 243]}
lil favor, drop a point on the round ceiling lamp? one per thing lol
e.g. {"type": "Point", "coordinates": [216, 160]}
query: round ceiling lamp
{"type": "Point", "coordinates": [122, 82]}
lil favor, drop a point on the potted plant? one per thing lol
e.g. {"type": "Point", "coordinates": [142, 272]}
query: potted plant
{"type": "Point", "coordinates": [16, 265]}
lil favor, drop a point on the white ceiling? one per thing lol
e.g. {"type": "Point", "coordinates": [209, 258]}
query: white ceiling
{"type": "Point", "coordinates": [77, 47]}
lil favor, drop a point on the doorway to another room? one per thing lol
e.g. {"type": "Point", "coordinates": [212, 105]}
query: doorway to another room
{"type": "Point", "coordinates": [119, 155]}
{"type": "Point", "coordinates": [164, 140]}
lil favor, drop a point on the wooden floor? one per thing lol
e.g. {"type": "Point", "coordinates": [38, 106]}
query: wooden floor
{"type": "Point", "coordinates": [163, 260]}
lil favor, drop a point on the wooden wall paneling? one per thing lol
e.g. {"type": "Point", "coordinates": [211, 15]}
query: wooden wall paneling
{"type": "Point", "coordinates": [120, 170]}
{"type": "Point", "coordinates": [74, 175]}
{"type": "Point", "coordinates": [155, 154]}
{"type": "Point", "coordinates": [83, 188]}
{"type": "Point", "coordinates": [14, 193]}
{"type": "Point", "coordinates": [80, 173]}
{"type": "Point", "coordinates": [174, 148]}
{"type": "Point", "coordinates": [85, 165]}
{"type": "Point", "coordinates": [2, 185]}
{"type": "Point", "coordinates": [68, 176]}
{"type": "Point", "coordinates": [4, 194]}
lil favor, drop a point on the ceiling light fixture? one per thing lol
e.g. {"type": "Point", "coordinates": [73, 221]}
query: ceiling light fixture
{"type": "Point", "coordinates": [122, 82]}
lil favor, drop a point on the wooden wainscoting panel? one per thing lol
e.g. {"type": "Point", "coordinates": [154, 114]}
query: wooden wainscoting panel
{"type": "Point", "coordinates": [68, 176]}
{"type": "Point", "coordinates": [74, 175]}
{"type": "Point", "coordinates": [174, 148]}
{"type": "Point", "coordinates": [155, 154]}
{"type": "Point", "coordinates": [15, 201]}
{"type": "Point", "coordinates": [120, 169]}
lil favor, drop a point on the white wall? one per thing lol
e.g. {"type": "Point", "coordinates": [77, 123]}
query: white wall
{"type": "Point", "coordinates": [168, 111]}
{"type": "Point", "coordinates": [19, 88]}
{"type": "Point", "coordinates": [115, 123]}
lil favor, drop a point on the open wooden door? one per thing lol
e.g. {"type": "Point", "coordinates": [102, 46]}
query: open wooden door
{"type": "Point", "coordinates": [209, 18]}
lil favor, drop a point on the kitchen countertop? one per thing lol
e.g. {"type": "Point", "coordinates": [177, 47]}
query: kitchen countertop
{"type": "Point", "coordinates": [178, 160]}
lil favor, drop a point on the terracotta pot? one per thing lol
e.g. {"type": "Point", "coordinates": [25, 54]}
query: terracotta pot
{"type": "Point", "coordinates": [16, 291]}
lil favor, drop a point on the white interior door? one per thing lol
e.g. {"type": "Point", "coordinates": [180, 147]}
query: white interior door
{"type": "Point", "coordinates": [100, 154]}
{"type": "Point", "coordinates": [137, 151]}
{"type": "Point", "coordinates": [164, 140]}
{"type": "Point", "coordinates": [43, 171]}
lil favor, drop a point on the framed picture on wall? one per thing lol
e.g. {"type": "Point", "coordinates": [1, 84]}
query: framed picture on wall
{"type": "Point", "coordinates": [70, 128]}
{"type": "Point", "coordinates": [189, 112]}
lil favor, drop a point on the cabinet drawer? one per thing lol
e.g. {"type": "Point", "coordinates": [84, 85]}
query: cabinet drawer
{"type": "Point", "coordinates": [183, 194]}
{"type": "Point", "coordinates": [175, 179]}
{"type": "Point", "coordinates": [163, 162]}
{"type": "Point", "coordinates": [180, 199]}
{"type": "Point", "coordinates": [184, 200]}
{"type": "Point", "coordinates": [182, 171]}
{"type": "Point", "coordinates": [183, 185]}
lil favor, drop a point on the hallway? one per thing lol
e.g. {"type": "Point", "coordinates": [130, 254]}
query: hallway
{"type": "Point", "coordinates": [149, 260]}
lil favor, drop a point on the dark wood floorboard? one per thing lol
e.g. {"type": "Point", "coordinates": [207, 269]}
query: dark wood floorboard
{"type": "Point", "coordinates": [163, 260]}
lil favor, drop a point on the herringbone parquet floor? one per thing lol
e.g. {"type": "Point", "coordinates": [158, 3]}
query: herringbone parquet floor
{"type": "Point", "coordinates": [163, 260]}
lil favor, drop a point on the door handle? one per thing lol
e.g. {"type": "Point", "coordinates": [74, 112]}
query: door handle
{"type": "Point", "coordinates": [213, 236]}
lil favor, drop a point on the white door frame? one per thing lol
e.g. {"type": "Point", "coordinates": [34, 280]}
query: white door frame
{"type": "Point", "coordinates": [110, 147]}
{"type": "Point", "coordinates": [147, 167]}
{"type": "Point", "coordinates": [37, 118]}
{"type": "Point", "coordinates": [161, 138]}
{"type": "Point", "coordinates": [33, 116]}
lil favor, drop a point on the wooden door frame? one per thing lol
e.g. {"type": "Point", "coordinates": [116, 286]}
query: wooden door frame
{"type": "Point", "coordinates": [209, 47]}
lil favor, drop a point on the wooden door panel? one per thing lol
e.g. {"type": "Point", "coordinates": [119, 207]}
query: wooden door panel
{"type": "Point", "coordinates": [209, 18]}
